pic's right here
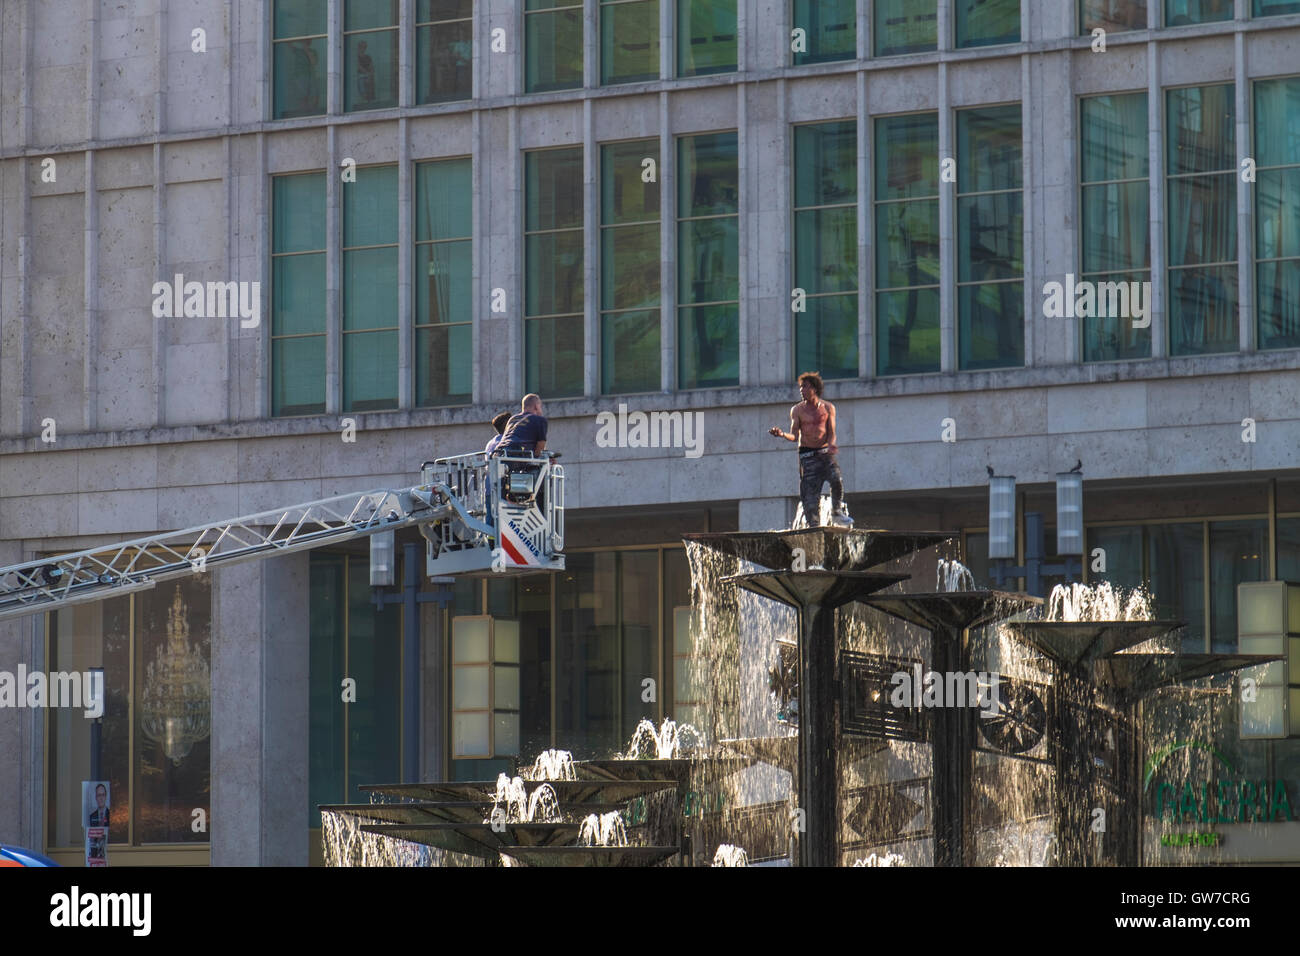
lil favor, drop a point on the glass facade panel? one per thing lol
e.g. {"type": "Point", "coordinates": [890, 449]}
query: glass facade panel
{"type": "Point", "coordinates": [1238, 552]}
{"type": "Point", "coordinates": [553, 347]}
{"type": "Point", "coordinates": [907, 331]}
{"type": "Point", "coordinates": [553, 46]}
{"type": "Point", "coordinates": [826, 336]}
{"type": "Point", "coordinates": [1175, 570]}
{"type": "Point", "coordinates": [444, 52]}
{"type": "Point", "coordinates": [630, 352]}
{"type": "Point", "coordinates": [830, 30]}
{"type": "Point", "coordinates": [1180, 13]}
{"type": "Point", "coordinates": [1113, 16]}
{"type": "Point", "coordinates": [708, 261]}
{"type": "Point", "coordinates": [629, 269]}
{"type": "Point", "coordinates": [987, 23]}
{"type": "Point", "coordinates": [1277, 212]}
{"type": "Point", "coordinates": [299, 50]}
{"type": "Point", "coordinates": [706, 37]}
{"type": "Point", "coordinates": [370, 54]}
{"type": "Point", "coordinates": [553, 269]}
{"type": "Point", "coordinates": [370, 290]}
{"type": "Point", "coordinates": [443, 283]}
{"type": "Point", "coordinates": [905, 26]}
{"type": "Point", "coordinates": [298, 294]}
{"type": "Point", "coordinates": [629, 41]}
{"type": "Point", "coordinates": [708, 346]}
{"type": "Point", "coordinates": [1288, 549]}
{"type": "Point", "coordinates": [1274, 8]}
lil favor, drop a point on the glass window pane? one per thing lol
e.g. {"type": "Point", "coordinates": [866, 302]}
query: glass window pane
{"type": "Point", "coordinates": [1116, 233]}
{"type": "Point", "coordinates": [1278, 292]}
{"type": "Point", "coordinates": [826, 164]}
{"type": "Point", "coordinates": [708, 345]}
{"type": "Point", "coordinates": [299, 223]}
{"type": "Point", "coordinates": [1202, 134]}
{"type": "Point", "coordinates": [298, 294]}
{"type": "Point", "coordinates": [469, 734]}
{"type": "Point", "coordinates": [629, 360]}
{"type": "Point", "coordinates": [369, 371]}
{"type": "Point", "coordinates": [989, 149]}
{"type": "Point", "coordinates": [298, 375]}
{"type": "Point", "coordinates": [1275, 8]}
{"type": "Point", "coordinates": [830, 30]}
{"type": "Point", "coordinates": [907, 156]}
{"type": "Point", "coordinates": [442, 282]}
{"type": "Point", "coordinates": [1202, 219]}
{"type": "Point", "coordinates": [554, 278]}
{"type": "Point", "coordinates": [506, 688]}
{"type": "Point", "coordinates": [299, 78]}
{"type": "Point", "coordinates": [553, 41]}
{"type": "Point", "coordinates": [506, 742]}
{"type": "Point", "coordinates": [1112, 16]}
{"type": "Point", "coordinates": [1123, 553]}
{"type": "Point", "coordinates": [444, 62]}
{"type": "Point", "coordinates": [370, 289]}
{"type": "Point", "coordinates": [554, 356]}
{"type": "Point", "coordinates": [826, 251]}
{"type": "Point", "coordinates": [470, 642]}
{"type": "Point", "coordinates": [1288, 549]}
{"type": "Point", "coordinates": [983, 24]}
{"type": "Point", "coordinates": [328, 667]}
{"type": "Point", "coordinates": [907, 244]}
{"type": "Point", "coordinates": [1203, 310]}
{"type": "Point", "coordinates": [629, 41]}
{"type": "Point", "coordinates": [629, 266]}
{"type": "Point", "coordinates": [624, 195]}
{"type": "Point", "coordinates": [1113, 335]}
{"type": "Point", "coordinates": [371, 60]}
{"type": "Point", "coordinates": [708, 260]}
{"type": "Point", "coordinates": [991, 237]}
{"type": "Point", "coordinates": [706, 37]}
{"type": "Point", "coordinates": [826, 336]}
{"type": "Point", "coordinates": [426, 10]}
{"type": "Point", "coordinates": [444, 365]}
{"type": "Point", "coordinates": [375, 661]}
{"type": "Point", "coordinates": [1238, 552]}
{"type": "Point", "coordinates": [370, 207]}
{"type": "Point", "coordinates": [905, 26]}
{"type": "Point", "coordinates": [553, 187]}
{"type": "Point", "coordinates": [1277, 215]}
{"type": "Point", "coordinates": [298, 18]}
{"type": "Point", "coordinates": [907, 332]}
{"type": "Point", "coordinates": [365, 14]}
{"type": "Point", "coordinates": [1174, 560]}
{"type": "Point", "coordinates": [1114, 137]}
{"type": "Point", "coordinates": [991, 329]}
{"type": "Point", "coordinates": [1182, 12]}
{"type": "Point", "coordinates": [505, 636]}
{"type": "Point", "coordinates": [442, 200]}
{"type": "Point", "coordinates": [708, 181]}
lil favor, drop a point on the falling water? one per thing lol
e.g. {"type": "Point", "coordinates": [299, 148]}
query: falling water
{"type": "Point", "coordinates": [889, 859]}
{"type": "Point", "coordinates": [1098, 602]}
{"type": "Point", "coordinates": [954, 576]}
{"type": "Point", "coordinates": [728, 855]}
{"type": "Point", "coordinates": [345, 844]}
{"type": "Point", "coordinates": [607, 829]}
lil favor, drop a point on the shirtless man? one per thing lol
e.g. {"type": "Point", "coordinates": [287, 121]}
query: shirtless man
{"type": "Point", "coordinates": [812, 426]}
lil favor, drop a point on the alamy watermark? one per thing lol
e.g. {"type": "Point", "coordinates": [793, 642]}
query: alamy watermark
{"type": "Point", "coordinates": [947, 689]}
{"type": "Point", "coordinates": [208, 300]}
{"type": "Point", "coordinates": [652, 430]}
{"type": "Point", "coordinates": [83, 691]}
{"type": "Point", "coordinates": [1086, 299]}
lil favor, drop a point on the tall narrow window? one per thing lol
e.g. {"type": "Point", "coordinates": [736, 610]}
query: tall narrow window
{"type": "Point", "coordinates": [1112, 16]}
{"type": "Point", "coordinates": [370, 54]}
{"type": "Point", "coordinates": [826, 248]}
{"type": "Point", "coordinates": [990, 239]}
{"type": "Point", "coordinates": [1202, 196]}
{"type": "Point", "coordinates": [629, 268]}
{"type": "Point", "coordinates": [905, 26]}
{"type": "Point", "coordinates": [444, 328]}
{"type": "Point", "coordinates": [907, 244]}
{"type": "Point", "coordinates": [830, 30]}
{"type": "Point", "coordinates": [629, 41]}
{"type": "Point", "coordinates": [1277, 212]}
{"type": "Point", "coordinates": [1116, 227]}
{"type": "Point", "coordinates": [298, 294]}
{"type": "Point", "coordinates": [706, 37]}
{"type": "Point", "coordinates": [552, 45]}
{"type": "Point", "coordinates": [299, 51]}
{"type": "Point", "coordinates": [708, 261]}
{"type": "Point", "coordinates": [444, 56]}
{"type": "Point", "coordinates": [370, 290]}
{"type": "Point", "coordinates": [1182, 12]}
{"type": "Point", "coordinates": [553, 270]}
{"type": "Point", "coordinates": [986, 22]}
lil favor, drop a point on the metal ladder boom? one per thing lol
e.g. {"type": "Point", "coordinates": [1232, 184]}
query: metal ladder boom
{"type": "Point", "coordinates": [98, 573]}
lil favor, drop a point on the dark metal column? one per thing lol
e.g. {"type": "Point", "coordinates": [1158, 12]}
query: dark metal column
{"type": "Point", "coordinates": [952, 740]}
{"type": "Point", "coordinates": [818, 773]}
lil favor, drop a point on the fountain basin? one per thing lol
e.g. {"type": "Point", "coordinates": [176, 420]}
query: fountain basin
{"type": "Point", "coordinates": [1069, 643]}
{"type": "Point", "coordinates": [799, 589]}
{"type": "Point", "coordinates": [841, 549]}
{"type": "Point", "coordinates": [953, 610]}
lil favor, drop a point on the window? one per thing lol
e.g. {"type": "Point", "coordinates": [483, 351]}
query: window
{"type": "Point", "coordinates": [298, 294]}
{"type": "Point", "coordinates": [1116, 225]}
{"type": "Point", "coordinates": [1274, 8]}
{"type": "Point", "coordinates": [370, 54]}
{"type": "Point", "coordinates": [706, 37]}
{"type": "Point", "coordinates": [708, 261]}
{"type": "Point", "coordinates": [826, 248]}
{"type": "Point", "coordinates": [299, 48]}
{"type": "Point", "coordinates": [907, 244]}
{"type": "Point", "coordinates": [358, 743]}
{"type": "Point", "coordinates": [830, 30]}
{"type": "Point", "coordinates": [444, 55]}
{"type": "Point", "coordinates": [153, 741]}
{"type": "Point", "coordinates": [370, 290]}
{"type": "Point", "coordinates": [990, 239]}
{"type": "Point", "coordinates": [905, 26]}
{"type": "Point", "coordinates": [986, 22]}
{"type": "Point", "coordinates": [629, 41]}
{"type": "Point", "coordinates": [444, 328]}
{"type": "Point", "coordinates": [484, 688]}
{"type": "Point", "coordinates": [552, 45]}
{"type": "Point", "coordinates": [1113, 16]}
{"type": "Point", "coordinates": [1182, 12]}
{"type": "Point", "coordinates": [1277, 212]}
{"type": "Point", "coordinates": [1238, 552]}
{"type": "Point", "coordinates": [553, 271]}
{"type": "Point", "coordinates": [1202, 197]}
{"type": "Point", "coordinates": [629, 269]}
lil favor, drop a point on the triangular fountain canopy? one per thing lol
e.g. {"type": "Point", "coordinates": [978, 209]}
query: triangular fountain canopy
{"type": "Point", "coordinates": [566, 791]}
{"type": "Point", "coordinates": [953, 610]}
{"type": "Point", "coordinates": [1069, 643]}
{"type": "Point", "coordinates": [1136, 675]}
{"type": "Point", "coordinates": [836, 549]}
{"type": "Point", "coordinates": [800, 589]}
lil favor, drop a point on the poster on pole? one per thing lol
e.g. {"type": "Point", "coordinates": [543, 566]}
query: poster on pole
{"type": "Point", "coordinates": [95, 807]}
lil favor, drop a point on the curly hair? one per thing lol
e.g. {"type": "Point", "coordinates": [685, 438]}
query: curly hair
{"type": "Point", "coordinates": [814, 379]}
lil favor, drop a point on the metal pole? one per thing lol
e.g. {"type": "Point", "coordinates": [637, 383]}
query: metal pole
{"type": "Point", "coordinates": [953, 733]}
{"type": "Point", "coordinates": [818, 780]}
{"type": "Point", "coordinates": [411, 670]}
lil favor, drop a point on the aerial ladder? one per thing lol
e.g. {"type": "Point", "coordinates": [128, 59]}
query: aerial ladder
{"type": "Point", "coordinates": [502, 515]}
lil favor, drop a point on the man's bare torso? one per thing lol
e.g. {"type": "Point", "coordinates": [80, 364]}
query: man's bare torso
{"type": "Point", "coordinates": [812, 422]}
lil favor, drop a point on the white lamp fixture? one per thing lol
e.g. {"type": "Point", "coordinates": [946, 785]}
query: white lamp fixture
{"type": "Point", "coordinates": [1268, 622]}
{"type": "Point", "coordinates": [383, 551]}
{"type": "Point", "coordinates": [1069, 513]}
{"type": "Point", "coordinates": [1002, 517]}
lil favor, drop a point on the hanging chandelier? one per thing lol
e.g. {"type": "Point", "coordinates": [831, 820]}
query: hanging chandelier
{"type": "Point", "coordinates": [176, 700]}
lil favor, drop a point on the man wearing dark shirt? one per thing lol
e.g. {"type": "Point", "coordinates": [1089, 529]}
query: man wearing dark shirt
{"type": "Point", "coordinates": [525, 433]}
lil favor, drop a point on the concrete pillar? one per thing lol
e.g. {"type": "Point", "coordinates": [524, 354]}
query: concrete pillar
{"type": "Point", "coordinates": [21, 786]}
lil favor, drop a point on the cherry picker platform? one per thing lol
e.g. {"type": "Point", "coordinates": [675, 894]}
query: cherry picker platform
{"type": "Point", "coordinates": [497, 515]}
